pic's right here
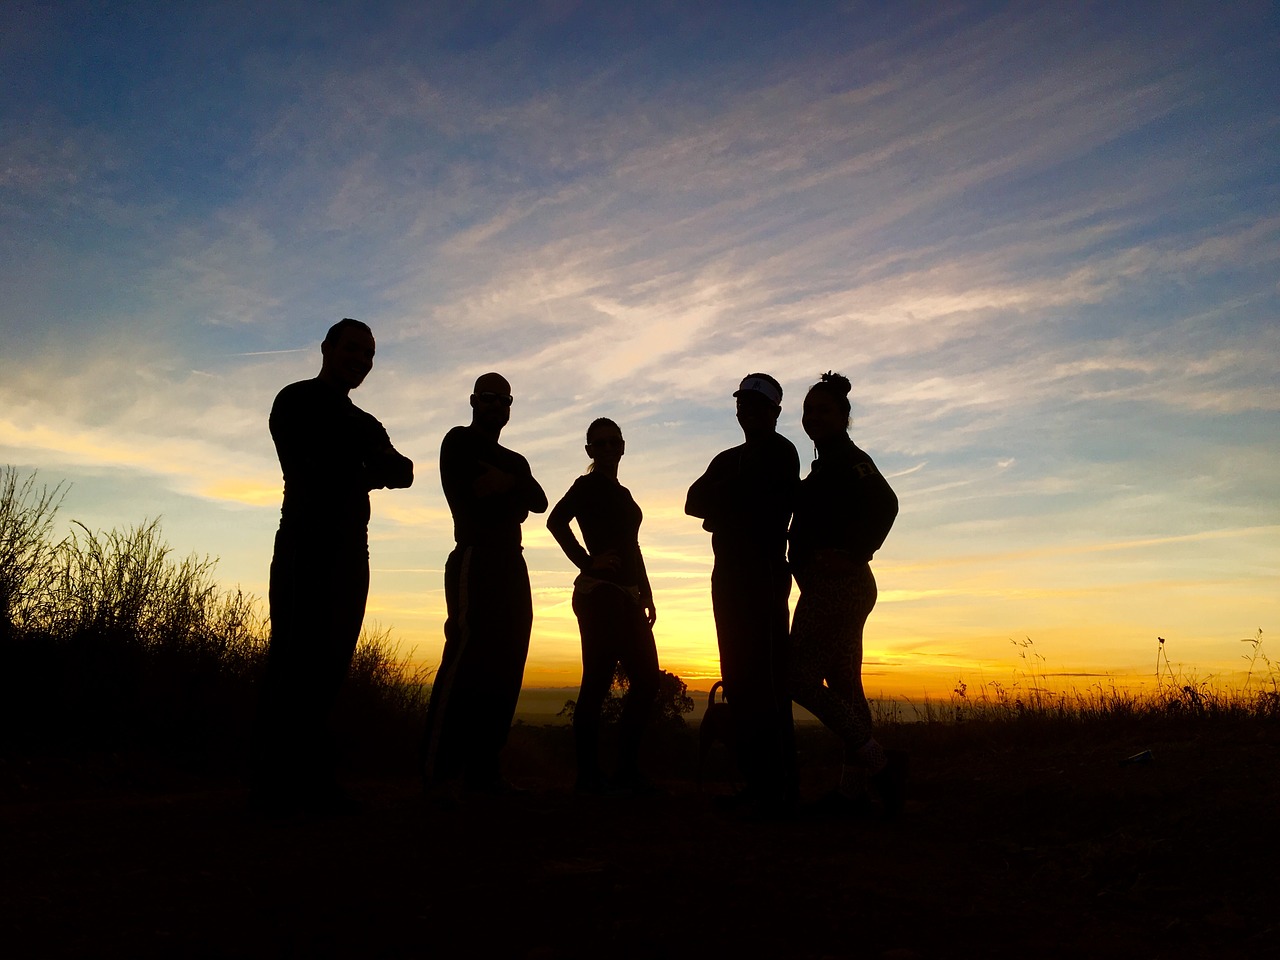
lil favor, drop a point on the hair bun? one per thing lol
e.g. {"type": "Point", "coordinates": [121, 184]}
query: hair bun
{"type": "Point", "coordinates": [838, 381]}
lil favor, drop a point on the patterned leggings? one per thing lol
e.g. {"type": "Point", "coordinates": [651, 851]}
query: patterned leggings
{"type": "Point", "coordinates": [826, 645]}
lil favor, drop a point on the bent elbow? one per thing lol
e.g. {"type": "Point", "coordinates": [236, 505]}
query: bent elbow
{"type": "Point", "coordinates": [402, 474]}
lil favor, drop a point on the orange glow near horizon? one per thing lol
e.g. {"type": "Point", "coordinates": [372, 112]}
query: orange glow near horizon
{"type": "Point", "coordinates": [901, 666]}
{"type": "Point", "coordinates": [1091, 611]}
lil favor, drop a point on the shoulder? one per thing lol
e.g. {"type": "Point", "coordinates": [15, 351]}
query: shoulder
{"type": "Point", "coordinates": [859, 462]}
{"type": "Point", "coordinates": [457, 447]}
{"type": "Point", "coordinates": [732, 455]}
{"type": "Point", "coordinates": [784, 446]}
{"type": "Point", "coordinates": [456, 438]}
{"type": "Point", "coordinates": [308, 401]}
{"type": "Point", "coordinates": [856, 454]}
{"type": "Point", "coordinates": [581, 485]}
{"type": "Point", "coordinates": [302, 390]}
{"type": "Point", "coordinates": [783, 453]}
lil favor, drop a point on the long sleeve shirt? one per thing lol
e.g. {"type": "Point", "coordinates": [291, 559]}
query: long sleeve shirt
{"type": "Point", "coordinates": [844, 504]}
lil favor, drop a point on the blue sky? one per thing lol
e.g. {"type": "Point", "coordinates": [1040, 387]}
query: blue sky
{"type": "Point", "coordinates": [1042, 240]}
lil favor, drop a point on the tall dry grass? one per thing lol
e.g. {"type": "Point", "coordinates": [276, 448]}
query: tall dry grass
{"type": "Point", "coordinates": [1029, 709]}
{"type": "Point", "coordinates": [108, 642]}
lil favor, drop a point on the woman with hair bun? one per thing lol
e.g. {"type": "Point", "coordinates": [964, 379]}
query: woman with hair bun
{"type": "Point", "coordinates": [614, 605]}
{"type": "Point", "coordinates": [843, 514]}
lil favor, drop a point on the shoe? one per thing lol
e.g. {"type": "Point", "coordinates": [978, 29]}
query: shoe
{"type": "Point", "coordinates": [890, 784]}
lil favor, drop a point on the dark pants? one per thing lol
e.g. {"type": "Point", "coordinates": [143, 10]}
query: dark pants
{"type": "Point", "coordinates": [474, 694]}
{"type": "Point", "coordinates": [317, 597]}
{"type": "Point", "coordinates": [826, 645]}
{"type": "Point", "coordinates": [749, 600]}
{"type": "Point", "coordinates": [614, 631]}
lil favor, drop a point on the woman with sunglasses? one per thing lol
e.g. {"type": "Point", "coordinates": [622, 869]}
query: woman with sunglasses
{"type": "Point", "coordinates": [614, 605]}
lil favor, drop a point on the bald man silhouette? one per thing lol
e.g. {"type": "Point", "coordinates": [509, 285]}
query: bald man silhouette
{"type": "Point", "coordinates": [491, 491]}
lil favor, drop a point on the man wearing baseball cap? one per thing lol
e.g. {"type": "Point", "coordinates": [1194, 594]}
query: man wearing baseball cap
{"type": "Point", "coordinates": [745, 499]}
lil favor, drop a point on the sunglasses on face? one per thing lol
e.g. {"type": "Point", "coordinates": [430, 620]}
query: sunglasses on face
{"type": "Point", "coordinates": [489, 397]}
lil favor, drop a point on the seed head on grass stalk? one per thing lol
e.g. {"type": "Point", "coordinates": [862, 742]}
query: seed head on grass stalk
{"type": "Point", "coordinates": [1253, 656]}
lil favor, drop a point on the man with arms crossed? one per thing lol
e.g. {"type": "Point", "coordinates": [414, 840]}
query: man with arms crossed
{"type": "Point", "coordinates": [491, 491]}
{"type": "Point", "coordinates": [745, 500]}
{"type": "Point", "coordinates": [332, 454]}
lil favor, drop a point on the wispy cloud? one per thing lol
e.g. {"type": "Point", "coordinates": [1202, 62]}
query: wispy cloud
{"type": "Point", "coordinates": [1042, 245]}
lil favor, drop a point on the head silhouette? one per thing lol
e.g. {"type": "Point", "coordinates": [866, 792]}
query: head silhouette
{"type": "Point", "coordinates": [347, 354]}
{"type": "Point", "coordinates": [826, 408]}
{"type": "Point", "coordinates": [491, 403]}
{"type": "Point", "coordinates": [605, 445]}
{"type": "Point", "coordinates": [759, 403]}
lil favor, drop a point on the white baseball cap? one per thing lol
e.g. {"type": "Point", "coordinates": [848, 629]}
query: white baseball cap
{"type": "Point", "coordinates": [760, 385]}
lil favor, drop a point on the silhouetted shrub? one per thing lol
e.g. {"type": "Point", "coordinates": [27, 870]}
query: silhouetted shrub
{"type": "Point", "coordinates": [671, 703]}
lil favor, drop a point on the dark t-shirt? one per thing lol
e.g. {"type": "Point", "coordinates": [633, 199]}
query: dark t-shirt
{"type": "Point", "coordinates": [745, 499]}
{"type": "Point", "coordinates": [493, 520]}
{"type": "Point", "coordinates": [845, 504]}
{"type": "Point", "coordinates": [609, 518]}
{"type": "Point", "coordinates": [332, 454]}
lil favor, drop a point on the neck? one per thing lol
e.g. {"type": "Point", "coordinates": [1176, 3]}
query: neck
{"type": "Point", "coordinates": [832, 444]}
{"type": "Point", "coordinates": [491, 433]}
{"type": "Point", "coordinates": [330, 380]}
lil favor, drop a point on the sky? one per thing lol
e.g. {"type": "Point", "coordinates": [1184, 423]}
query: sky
{"type": "Point", "coordinates": [1042, 240]}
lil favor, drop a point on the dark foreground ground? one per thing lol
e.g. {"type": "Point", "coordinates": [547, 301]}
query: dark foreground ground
{"type": "Point", "coordinates": [1019, 841]}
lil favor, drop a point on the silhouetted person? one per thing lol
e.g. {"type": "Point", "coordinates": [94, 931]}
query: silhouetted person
{"type": "Point", "coordinates": [843, 514]}
{"type": "Point", "coordinates": [614, 605]}
{"type": "Point", "coordinates": [332, 454]}
{"type": "Point", "coordinates": [491, 491]}
{"type": "Point", "coordinates": [745, 499]}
